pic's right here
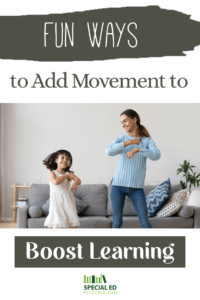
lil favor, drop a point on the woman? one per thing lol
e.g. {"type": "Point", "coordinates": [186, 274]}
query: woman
{"type": "Point", "coordinates": [133, 149]}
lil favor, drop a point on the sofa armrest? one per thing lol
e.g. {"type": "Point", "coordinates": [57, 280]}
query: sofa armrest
{"type": "Point", "coordinates": [22, 216]}
{"type": "Point", "coordinates": [196, 216]}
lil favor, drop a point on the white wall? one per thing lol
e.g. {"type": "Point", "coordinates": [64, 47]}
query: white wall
{"type": "Point", "coordinates": [32, 131]}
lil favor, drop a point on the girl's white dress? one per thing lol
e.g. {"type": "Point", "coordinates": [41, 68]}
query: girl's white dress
{"type": "Point", "coordinates": [62, 210]}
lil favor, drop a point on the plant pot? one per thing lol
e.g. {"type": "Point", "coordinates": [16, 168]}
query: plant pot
{"type": "Point", "coordinates": [188, 189]}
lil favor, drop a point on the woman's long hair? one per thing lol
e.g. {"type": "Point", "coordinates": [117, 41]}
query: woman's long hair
{"type": "Point", "coordinates": [142, 131]}
{"type": "Point", "coordinates": [50, 163]}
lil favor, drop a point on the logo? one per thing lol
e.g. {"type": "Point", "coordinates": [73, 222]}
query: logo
{"type": "Point", "coordinates": [98, 285]}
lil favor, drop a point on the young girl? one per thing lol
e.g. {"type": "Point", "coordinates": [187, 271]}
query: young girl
{"type": "Point", "coordinates": [62, 210]}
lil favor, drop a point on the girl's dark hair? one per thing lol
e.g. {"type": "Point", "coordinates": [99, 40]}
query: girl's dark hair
{"type": "Point", "coordinates": [142, 131]}
{"type": "Point", "coordinates": [50, 163]}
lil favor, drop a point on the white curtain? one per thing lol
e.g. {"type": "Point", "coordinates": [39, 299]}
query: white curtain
{"type": "Point", "coordinates": [0, 163]}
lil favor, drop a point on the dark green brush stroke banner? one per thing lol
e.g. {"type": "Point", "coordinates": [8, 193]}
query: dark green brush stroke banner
{"type": "Point", "coordinates": [126, 32]}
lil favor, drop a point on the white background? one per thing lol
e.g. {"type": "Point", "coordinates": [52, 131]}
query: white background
{"type": "Point", "coordinates": [65, 283]}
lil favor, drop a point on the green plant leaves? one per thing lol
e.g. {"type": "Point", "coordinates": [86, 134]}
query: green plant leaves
{"type": "Point", "coordinates": [192, 179]}
{"type": "Point", "coordinates": [183, 185]}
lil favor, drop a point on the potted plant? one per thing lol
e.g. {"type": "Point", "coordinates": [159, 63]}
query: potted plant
{"type": "Point", "coordinates": [190, 179]}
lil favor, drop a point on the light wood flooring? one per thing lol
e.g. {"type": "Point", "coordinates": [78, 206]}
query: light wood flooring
{"type": "Point", "coordinates": [5, 224]}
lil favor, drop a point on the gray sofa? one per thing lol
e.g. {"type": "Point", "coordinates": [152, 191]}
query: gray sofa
{"type": "Point", "coordinates": [99, 214]}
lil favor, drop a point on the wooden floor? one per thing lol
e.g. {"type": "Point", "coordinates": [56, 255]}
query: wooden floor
{"type": "Point", "coordinates": [8, 224]}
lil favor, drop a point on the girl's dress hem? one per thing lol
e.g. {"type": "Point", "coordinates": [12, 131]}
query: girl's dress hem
{"type": "Point", "coordinates": [74, 224]}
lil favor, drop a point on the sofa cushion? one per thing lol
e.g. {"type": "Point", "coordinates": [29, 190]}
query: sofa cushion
{"type": "Point", "coordinates": [38, 194]}
{"type": "Point", "coordinates": [148, 189]}
{"type": "Point", "coordinates": [80, 206]}
{"type": "Point", "coordinates": [173, 204]}
{"type": "Point", "coordinates": [171, 222]}
{"type": "Point", "coordinates": [45, 208]}
{"type": "Point", "coordinates": [94, 222]}
{"type": "Point", "coordinates": [35, 212]}
{"type": "Point", "coordinates": [175, 188]}
{"type": "Point", "coordinates": [95, 195]}
{"type": "Point", "coordinates": [36, 222]}
{"type": "Point", "coordinates": [186, 212]}
{"type": "Point", "coordinates": [86, 222]}
{"type": "Point", "coordinates": [157, 198]}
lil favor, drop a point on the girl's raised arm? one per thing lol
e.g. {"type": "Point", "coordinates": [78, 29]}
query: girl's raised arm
{"type": "Point", "coordinates": [76, 182]}
{"type": "Point", "coordinates": [59, 180]}
{"type": "Point", "coordinates": [75, 178]}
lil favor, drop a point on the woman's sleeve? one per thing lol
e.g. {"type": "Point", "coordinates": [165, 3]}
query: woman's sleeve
{"type": "Point", "coordinates": [150, 150]}
{"type": "Point", "coordinates": [116, 147]}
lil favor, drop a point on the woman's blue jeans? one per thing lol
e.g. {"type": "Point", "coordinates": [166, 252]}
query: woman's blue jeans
{"type": "Point", "coordinates": [138, 200]}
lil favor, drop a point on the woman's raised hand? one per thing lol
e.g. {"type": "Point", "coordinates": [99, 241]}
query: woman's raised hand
{"type": "Point", "coordinates": [136, 141]}
{"type": "Point", "coordinates": [129, 154]}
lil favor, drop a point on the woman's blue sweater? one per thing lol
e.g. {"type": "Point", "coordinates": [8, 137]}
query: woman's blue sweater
{"type": "Point", "coordinates": [131, 172]}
